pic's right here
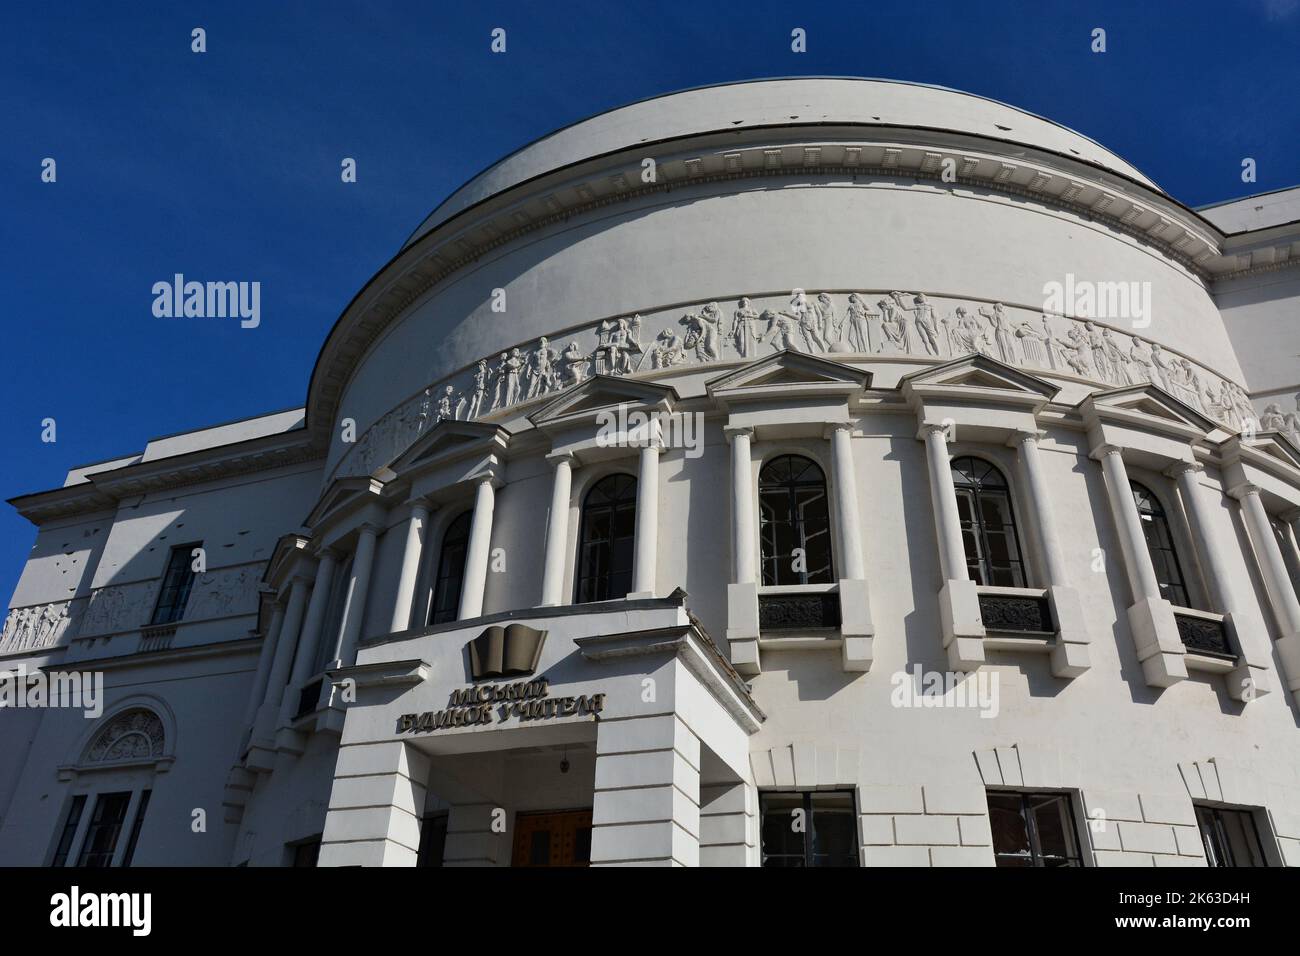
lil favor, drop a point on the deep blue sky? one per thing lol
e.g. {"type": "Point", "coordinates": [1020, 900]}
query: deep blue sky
{"type": "Point", "coordinates": [225, 165]}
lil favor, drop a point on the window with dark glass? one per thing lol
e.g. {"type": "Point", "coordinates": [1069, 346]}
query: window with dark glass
{"type": "Point", "coordinates": [1033, 829]}
{"type": "Point", "coordinates": [1160, 545]}
{"type": "Point", "coordinates": [306, 853]}
{"type": "Point", "coordinates": [988, 524]}
{"type": "Point", "coordinates": [433, 840]}
{"type": "Point", "coordinates": [69, 831]}
{"type": "Point", "coordinates": [606, 540]}
{"type": "Point", "coordinates": [106, 820]}
{"type": "Point", "coordinates": [135, 828]}
{"type": "Point", "coordinates": [794, 522]}
{"type": "Point", "coordinates": [450, 576]}
{"type": "Point", "coordinates": [1231, 837]}
{"type": "Point", "coordinates": [814, 828]}
{"type": "Point", "coordinates": [178, 579]}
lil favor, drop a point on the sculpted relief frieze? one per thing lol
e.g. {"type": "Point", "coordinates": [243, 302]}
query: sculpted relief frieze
{"type": "Point", "coordinates": [216, 593]}
{"type": "Point", "coordinates": [849, 326]}
{"type": "Point", "coordinates": [39, 626]}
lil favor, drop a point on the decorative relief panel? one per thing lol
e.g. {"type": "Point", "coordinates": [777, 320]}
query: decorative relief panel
{"type": "Point", "coordinates": [849, 326]}
{"type": "Point", "coordinates": [131, 735]}
{"type": "Point", "coordinates": [41, 625]}
{"type": "Point", "coordinates": [220, 592]}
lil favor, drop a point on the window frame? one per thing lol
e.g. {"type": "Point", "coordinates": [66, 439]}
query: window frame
{"type": "Point", "coordinates": [806, 798]}
{"type": "Point", "coordinates": [585, 514]}
{"type": "Point", "coordinates": [1172, 549]}
{"type": "Point", "coordinates": [1037, 859]}
{"type": "Point", "coordinates": [799, 524]}
{"type": "Point", "coordinates": [438, 577]}
{"type": "Point", "coordinates": [977, 527]}
{"type": "Point", "coordinates": [1216, 812]}
{"type": "Point", "coordinates": [175, 607]}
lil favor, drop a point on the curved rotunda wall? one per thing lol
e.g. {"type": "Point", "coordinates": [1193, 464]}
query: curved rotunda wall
{"type": "Point", "coordinates": [667, 254]}
{"type": "Point", "coordinates": [804, 100]}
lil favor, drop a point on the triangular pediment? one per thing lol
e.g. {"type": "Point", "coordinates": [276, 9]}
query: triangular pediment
{"type": "Point", "coordinates": [790, 369]}
{"type": "Point", "coordinates": [340, 493]}
{"type": "Point", "coordinates": [1277, 446]}
{"type": "Point", "coordinates": [979, 371]}
{"type": "Point", "coordinates": [1153, 402]}
{"type": "Point", "coordinates": [445, 439]}
{"type": "Point", "coordinates": [604, 391]}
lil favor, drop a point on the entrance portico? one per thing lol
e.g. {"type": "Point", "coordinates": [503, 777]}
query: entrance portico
{"type": "Point", "coordinates": [623, 709]}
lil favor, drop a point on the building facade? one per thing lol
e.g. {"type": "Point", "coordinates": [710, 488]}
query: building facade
{"type": "Point", "coordinates": [796, 472]}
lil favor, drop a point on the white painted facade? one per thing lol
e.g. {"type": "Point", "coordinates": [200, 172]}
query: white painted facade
{"type": "Point", "coordinates": [714, 688]}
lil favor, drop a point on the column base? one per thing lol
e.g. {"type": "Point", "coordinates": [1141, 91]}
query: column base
{"type": "Point", "coordinates": [1288, 648]}
{"type": "Point", "coordinates": [963, 628]}
{"type": "Point", "coordinates": [1070, 654]}
{"type": "Point", "coordinates": [1249, 680]}
{"type": "Point", "coordinates": [855, 625]}
{"type": "Point", "coordinates": [742, 627]}
{"type": "Point", "coordinates": [1159, 648]}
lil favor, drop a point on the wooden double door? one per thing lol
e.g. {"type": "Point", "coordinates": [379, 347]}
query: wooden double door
{"type": "Point", "coordinates": [561, 838]}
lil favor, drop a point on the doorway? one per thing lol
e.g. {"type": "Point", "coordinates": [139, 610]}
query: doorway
{"type": "Point", "coordinates": [552, 839]}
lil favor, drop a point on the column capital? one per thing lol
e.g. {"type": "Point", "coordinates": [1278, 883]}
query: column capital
{"type": "Point", "coordinates": [830, 430]}
{"type": "Point", "coordinates": [421, 501]}
{"type": "Point", "coordinates": [1182, 467]}
{"type": "Point", "coordinates": [327, 553]}
{"type": "Point", "coordinates": [1290, 517]}
{"type": "Point", "coordinates": [557, 458]}
{"type": "Point", "coordinates": [1243, 491]}
{"type": "Point", "coordinates": [929, 428]}
{"type": "Point", "coordinates": [1105, 450]}
{"type": "Point", "coordinates": [1022, 435]}
{"type": "Point", "coordinates": [737, 431]}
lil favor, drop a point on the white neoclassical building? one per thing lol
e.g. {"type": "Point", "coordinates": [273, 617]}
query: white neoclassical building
{"type": "Point", "coordinates": [796, 472]}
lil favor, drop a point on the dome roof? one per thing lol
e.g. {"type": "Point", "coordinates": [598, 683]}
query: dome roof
{"type": "Point", "coordinates": [812, 101]}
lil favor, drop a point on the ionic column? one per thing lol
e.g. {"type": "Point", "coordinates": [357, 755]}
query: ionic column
{"type": "Point", "coordinates": [479, 551]}
{"type": "Point", "coordinates": [1137, 560]}
{"type": "Point", "coordinates": [305, 658]}
{"type": "Point", "coordinates": [1291, 545]}
{"type": "Point", "coordinates": [1249, 680]}
{"type": "Point", "coordinates": [354, 604]}
{"type": "Point", "coordinates": [943, 498]}
{"type": "Point", "coordinates": [1281, 595]}
{"type": "Point", "coordinates": [262, 678]}
{"type": "Point", "coordinates": [1151, 620]}
{"type": "Point", "coordinates": [846, 490]}
{"type": "Point", "coordinates": [1040, 506]}
{"type": "Point", "coordinates": [557, 531]}
{"type": "Point", "coordinates": [412, 549]}
{"type": "Point", "coordinates": [743, 531]}
{"type": "Point", "coordinates": [742, 592]}
{"type": "Point", "coordinates": [1070, 656]}
{"type": "Point", "coordinates": [288, 640]}
{"type": "Point", "coordinates": [646, 533]}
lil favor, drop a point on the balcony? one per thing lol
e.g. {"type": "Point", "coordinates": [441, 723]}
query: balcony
{"type": "Point", "coordinates": [1203, 633]}
{"type": "Point", "coordinates": [1027, 613]}
{"type": "Point", "coordinates": [798, 610]}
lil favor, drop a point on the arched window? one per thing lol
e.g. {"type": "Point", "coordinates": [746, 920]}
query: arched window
{"type": "Point", "coordinates": [451, 571]}
{"type": "Point", "coordinates": [988, 524]}
{"type": "Point", "coordinates": [1160, 545]}
{"type": "Point", "coordinates": [606, 540]}
{"type": "Point", "coordinates": [794, 514]}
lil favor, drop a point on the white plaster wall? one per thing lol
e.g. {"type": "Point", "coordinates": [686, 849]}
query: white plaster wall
{"type": "Point", "coordinates": [723, 240]}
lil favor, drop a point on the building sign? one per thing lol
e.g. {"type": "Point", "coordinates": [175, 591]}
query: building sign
{"type": "Point", "coordinates": [497, 703]}
{"type": "Point", "coordinates": [511, 651]}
